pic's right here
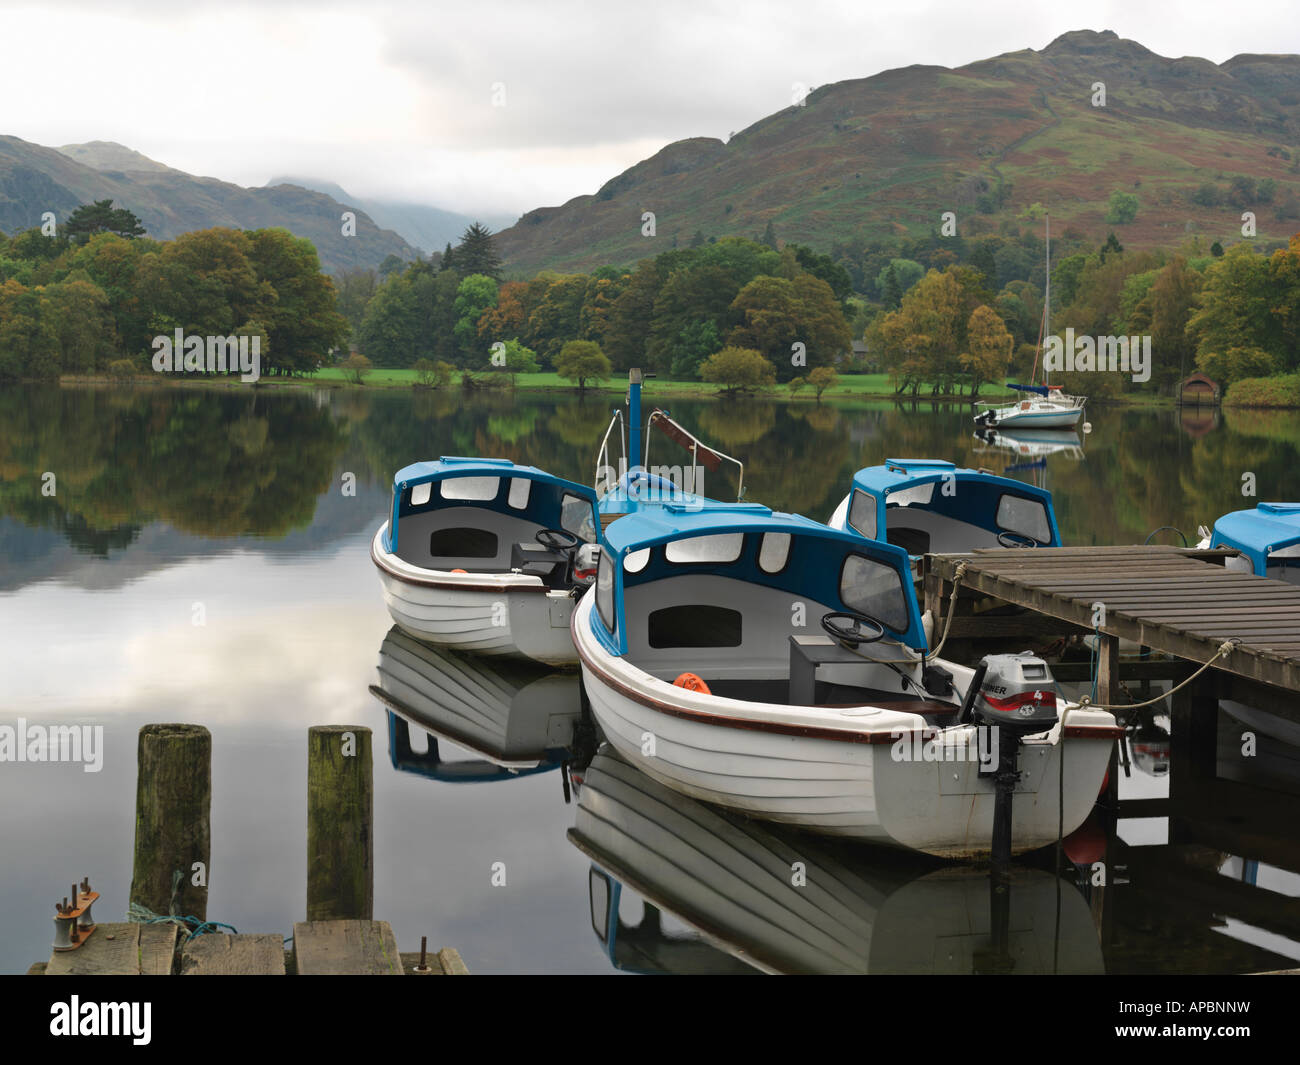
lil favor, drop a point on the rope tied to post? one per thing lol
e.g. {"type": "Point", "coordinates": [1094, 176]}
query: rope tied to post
{"type": "Point", "coordinates": [1224, 648]}
{"type": "Point", "coordinates": [192, 926]}
{"type": "Point", "coordinates": [952, 610]}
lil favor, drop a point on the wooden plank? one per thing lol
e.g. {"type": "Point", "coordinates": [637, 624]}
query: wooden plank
{"type": "Point", "coordinates": [346, 948]}
{"type": "Point", "coordinates": [445, 962]}
{"type": "Point", "coordinates": [219, 954]}
{"type": "Point", "coordinates": [119, 950]}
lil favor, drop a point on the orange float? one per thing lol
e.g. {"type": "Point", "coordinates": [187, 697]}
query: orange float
{"type": "Point", "coordinates": [691, 682]}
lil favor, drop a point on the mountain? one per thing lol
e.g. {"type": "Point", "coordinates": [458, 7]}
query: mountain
{"type": "Point", "coordinates": [35, 179]}
{"type": "Point", "coordinates": [427, 228]}
{"type": "Point", "coordinates": [885, 156]}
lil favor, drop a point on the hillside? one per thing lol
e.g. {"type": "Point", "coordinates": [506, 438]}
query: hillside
{"type": "Point", "coordinates": [428, 228]}
{"type": "Point", "coordinates": [886, 155]}
{"type": "Point", "coordinates": [35, 179]}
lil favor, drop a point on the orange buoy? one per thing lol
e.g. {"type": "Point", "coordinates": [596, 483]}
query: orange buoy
{"type": "Point", "coordinates": [691, 682]}
{"type": "Point", "coordinates": [460, 571]}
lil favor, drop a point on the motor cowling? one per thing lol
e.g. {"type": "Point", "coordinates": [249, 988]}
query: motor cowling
{"type": "Point", "coordinates": [1016, 693]}
{"type": "Point", "coordinates": [585, 563]}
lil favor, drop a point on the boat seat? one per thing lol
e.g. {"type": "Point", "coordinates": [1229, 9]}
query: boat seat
{"type": "Point", "coordinates": [913, 541]}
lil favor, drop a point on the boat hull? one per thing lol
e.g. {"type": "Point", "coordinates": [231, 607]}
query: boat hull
{"type": "Point", "coordinates": [856, 772]}
{"type": "Point", "coordinates": [1066, 418]}
{"type": "Point", "coordinates": [483, 613]}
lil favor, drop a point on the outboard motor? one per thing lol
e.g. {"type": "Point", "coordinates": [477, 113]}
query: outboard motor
{"type": "Point", "coordinates": [585, 563]}
{"type": "Point", "coordinates": [1015, 695]}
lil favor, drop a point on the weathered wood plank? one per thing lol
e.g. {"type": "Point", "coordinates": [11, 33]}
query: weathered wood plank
{"type": "Point", "coordinates": [346, 948]}
{"type": "Point", "coordinates": [445, 962]}
{"type": "Point", "coordinates": [119, 950]}
{"type": "Point", "coordinates": [219, 954]}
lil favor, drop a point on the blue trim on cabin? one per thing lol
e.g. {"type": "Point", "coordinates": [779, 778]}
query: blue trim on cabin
{"type": "Point", "coordinates": [544, 508]}
{"type": "Point", "coordinates": [1259, 532]}
{"type": "Point", "coordinates": [975, 499]}
{"type": "Point", "coordinates": [813, 568]}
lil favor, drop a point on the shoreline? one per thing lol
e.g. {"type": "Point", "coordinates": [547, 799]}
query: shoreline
{"type": "Point", "coordinates": [389, 380]}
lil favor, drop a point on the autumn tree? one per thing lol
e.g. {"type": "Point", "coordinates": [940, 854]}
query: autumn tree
{"type": "Point", "coordinates": [582, 361]}
{"type": "Point", "coordinates": [988, 348]}
{"type": "Point", "coordinates": [738, 370]}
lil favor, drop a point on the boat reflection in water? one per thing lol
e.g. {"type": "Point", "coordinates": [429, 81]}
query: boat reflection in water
{"type": "Point", "coordinates": [518, 717]}
{"type": "Point", "coordinates": [759, 896]}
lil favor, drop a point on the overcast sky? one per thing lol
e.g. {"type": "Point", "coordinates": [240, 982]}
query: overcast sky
{"type": "Point", "coordinates": [395, 99]}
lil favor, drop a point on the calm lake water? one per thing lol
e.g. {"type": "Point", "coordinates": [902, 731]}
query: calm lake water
{"type": "Point", "coordinates": [229, 508]}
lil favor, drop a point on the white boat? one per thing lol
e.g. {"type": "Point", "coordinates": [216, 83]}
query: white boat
{"type": "Point", "coordinates": [779, 901]}
{"type": "Point", "coordinates": [488, 556]}
{"type": "Point", "coordinates": [703, 667]}
{"type": "Point", "coordinates": [1044, 406]}
{"type": "Point", "coordinates": [928, 506]}
{"type": "Point", "coordinates": [1268, 541]}
{"type": "Point", "coordinates": [484, 555]}
{"type": "Point", "coordinates": [515, 717]}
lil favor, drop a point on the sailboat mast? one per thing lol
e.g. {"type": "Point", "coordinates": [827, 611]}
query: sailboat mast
{"type": "Point", "coordinates": [1047, 298]}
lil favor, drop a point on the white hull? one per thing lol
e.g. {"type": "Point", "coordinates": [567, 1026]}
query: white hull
{"type": "Point", "coordinates": [1060, 418]}
{"type": "Point", "coordinates": [484, 613]}
{"type": "Point", "coordinates": [836, 771]}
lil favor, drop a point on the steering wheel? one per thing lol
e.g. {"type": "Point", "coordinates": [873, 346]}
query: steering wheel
{"type": "Point", "coordinates": [852, 634]}
{"type": "Point", "coordinates": [557, 539]}
{"type": "Point", "coordinates": [1011, 539]}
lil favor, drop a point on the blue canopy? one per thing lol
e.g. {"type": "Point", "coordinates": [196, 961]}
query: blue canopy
{"type": "Point", "coordinates": [1038, 390]}
{"type": "Point", "coordinates": [975, 497]}
{"type": "Point", "coordinates": [817, 557]}
{"type": "Point", "coordinates": [1258, 533]}
{"type": "Point", "coordinates": [544, 507]}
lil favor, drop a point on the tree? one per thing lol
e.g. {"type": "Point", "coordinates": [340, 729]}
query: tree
{"type": "Point", "coordinates": [355, 288]}
{"type": "Point", "coordinates": [101, 217]}
{"type": "Point", "coordinates": [355, 367]}
{"type": "Point", "coordinates": [582, 361]}
{"type": "Point", "coordinates": [738, 370]}
{"type": "Point", "coordinates": [988, 348]}
{"type": "Point", "coordinates": [476, 294]}
{"type": "Point", "coordinates": [301, 322]}
{"type": "Point", "coordinates": [822, 378]}
{"type": "Point", "coordinates": [432, 374]}
{"type": "Point", "coordinates": [1235, 308]}
{"type": "Point", "coordinates": [1122, 208]}
{"type": "Point", "coordinates": [477, 254]}
{"type": "Point", "coordinates": [797, 384]}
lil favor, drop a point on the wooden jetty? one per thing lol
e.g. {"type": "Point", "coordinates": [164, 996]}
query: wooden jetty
{"type": "Point", "coordinates": [1180, 606]}
{"type": "Point", "coordinates": [173, 837]}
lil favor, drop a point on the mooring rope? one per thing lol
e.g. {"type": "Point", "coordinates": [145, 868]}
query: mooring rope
{"type": "Point", "coordinates": [952, 610]}
{"type": "Point", "coordinates": [193, 926]}
{"type": "Point", "coordinates": [1224, 648]}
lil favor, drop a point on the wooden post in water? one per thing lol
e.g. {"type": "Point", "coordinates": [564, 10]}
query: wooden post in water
{"type": "Point", "coordinates": [340, 824]}
{"type": "Point", "coordinates": [173, 830]}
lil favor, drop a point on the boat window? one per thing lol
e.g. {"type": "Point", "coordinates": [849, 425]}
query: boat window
{"type": "Point", "coordinates": [694, 625]}
{"type": "Point", "coordinates": [862, 514]}
{"type": "Point", "coordinates": [605, 590]}
{"type": "Point", "coordinates": [918, 493]}
{"type": "Point", "coordinates": [463, 543]}
{"type": "Point", "coordinates": [420, 493]}
{"type": "Point", "coordinates": [578, 517]}
{"type": "Point", "coordinates": [874, 589]}
{"type": "Point", "coordinates": [519, 489]}
{"type": "Point", "coordinates": [635, 561]}
{"type": "Point", "coordinates": [477, 488]}
{"type": "Point", "coordinates": [774, 552]}
{"type": "Point", "coordinates": [719, 547]}
{"type": "Point", "coordinates": [1028, 517]}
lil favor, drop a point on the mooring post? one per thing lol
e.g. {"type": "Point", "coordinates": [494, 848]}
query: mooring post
{"type": "Point", "coordinates": [340, 824]}
{"type": "Point", "coordinates": [173, 829]}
